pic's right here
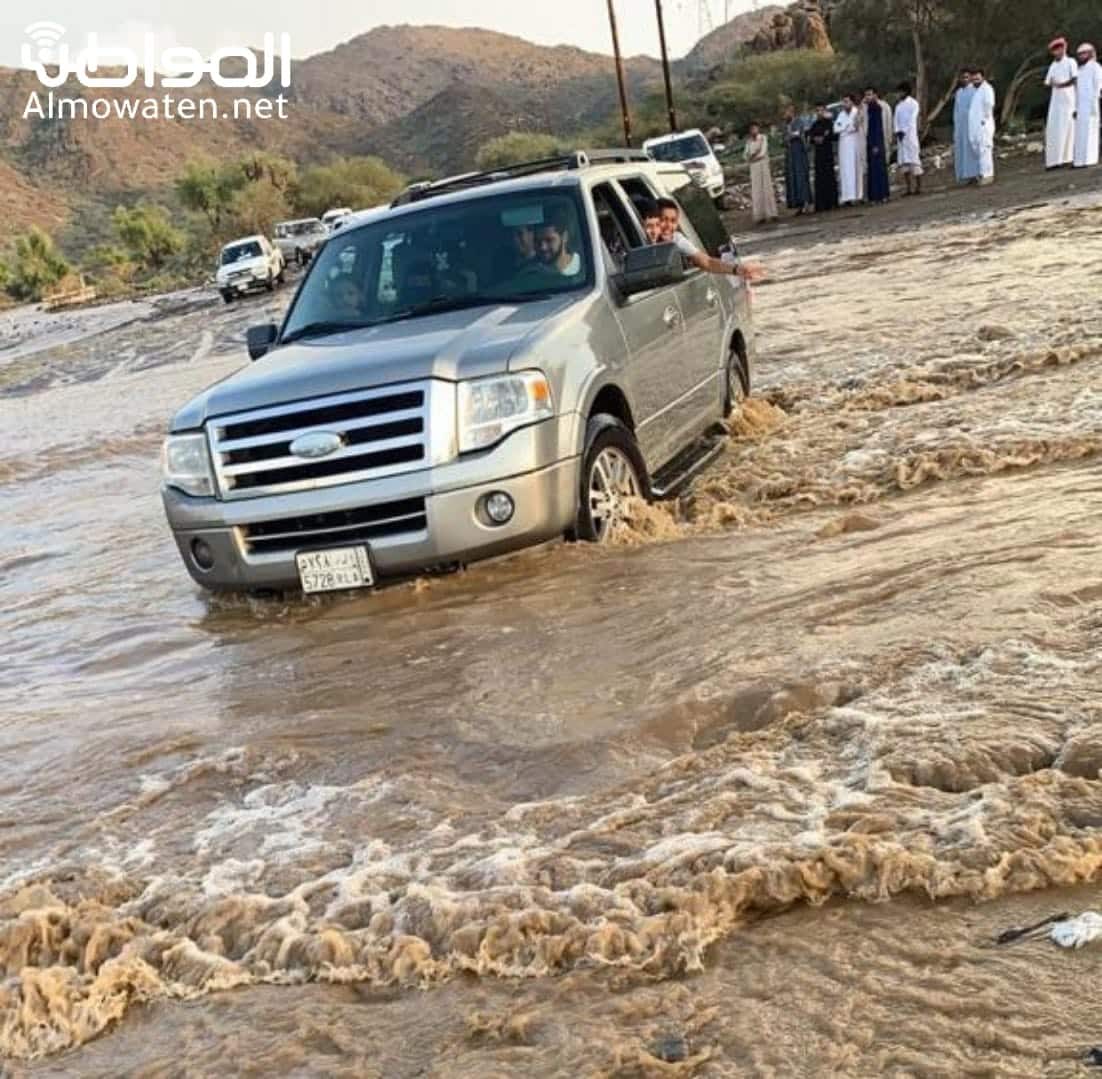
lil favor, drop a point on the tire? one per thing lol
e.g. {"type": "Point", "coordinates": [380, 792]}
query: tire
{"type": "Point", "coordinates": [282, 274]}
{"type": "Point", "coordinates": [270, 283]}
{"type": "Point", "coordinates": [227, 296]}
{"type": "Point", "coordinates": [611, 461]}
{"type": "Point", "coordinates": [720, 202]}
{"type": "Point", "coordinates": [737, 383]}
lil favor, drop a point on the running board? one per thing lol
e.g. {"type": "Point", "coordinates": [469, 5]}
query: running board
{"type": "Point", "coordinates": [672, 478]}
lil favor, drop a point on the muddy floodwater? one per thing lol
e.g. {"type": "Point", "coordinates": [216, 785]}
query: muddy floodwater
{"type": "Point", "coordinates": [751, 792]}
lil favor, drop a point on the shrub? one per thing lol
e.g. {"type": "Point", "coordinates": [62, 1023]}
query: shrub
{"type": "Point", "coordinates": [148, 234]}
{"type": "Point", "coordinates": [517, 147]}
{"type": "Point", "coordinates": [358, 182]}
{"type": "Point", "coordinates": [36, 266]}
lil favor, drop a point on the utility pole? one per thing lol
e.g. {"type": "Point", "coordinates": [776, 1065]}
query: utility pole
{"type": "Point", "coordinates": [624, 114]}
{"type": "Point", "coordinates": [665, 66]}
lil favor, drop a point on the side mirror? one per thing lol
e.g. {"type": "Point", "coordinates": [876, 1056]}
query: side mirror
{"type": "Point", "coordinates": [259, 339]}
{"type": "Point", "coordinates": [647, 268]}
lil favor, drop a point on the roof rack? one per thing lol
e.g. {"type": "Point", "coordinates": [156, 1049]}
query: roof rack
{"type": "Point", "coordinates": [577, 159]}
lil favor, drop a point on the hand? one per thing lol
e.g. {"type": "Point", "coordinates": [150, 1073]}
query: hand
{"type": "Point", "coordinates": [751, 272]}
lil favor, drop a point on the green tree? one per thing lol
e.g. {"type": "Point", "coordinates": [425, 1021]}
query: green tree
{"type": "Point", "coordinates": [36, 266]}
{"type": "Point", "coordinates": [359, 182]}
{"type": "Point", "coordinates": [148, 234]}
{"type": "Point", "coordinates": [209, 188]}
{"type": "Point", "coordinates": [759, 87]}
{"type": "Point", "coordinates": [516, 147]}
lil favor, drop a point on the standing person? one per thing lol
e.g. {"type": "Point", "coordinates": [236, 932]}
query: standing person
{"type": "Point", "coordinates": [967, 167]}
{"type": "Point", "coordinates": [1088, 89]}
{"type": "Point", "coordinates": [822, 142]}
{"type": "Point", "coordinates": [877, 136]}
{"type": "Point", "coordinates": [762, 195]}
{"type": "Point", "coordinates": [981, 126]}
{"type": "Point", "coordinates": [1060, 129]}
{"type": "Point", "coordinates": [908, 146]}
{"type": "Point", "coordinates": [848, 130]}
{"type": "Point", "coordinates": [797, 170]}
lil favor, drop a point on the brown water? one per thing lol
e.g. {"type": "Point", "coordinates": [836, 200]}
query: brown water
{"type": "Point", "coordinates": [630, 811]}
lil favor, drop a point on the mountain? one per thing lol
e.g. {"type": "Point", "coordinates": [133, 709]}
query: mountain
{"type": "Point", "coordinates": [387, 73]}
{"type": "Point", "coordinates": [424, 97]}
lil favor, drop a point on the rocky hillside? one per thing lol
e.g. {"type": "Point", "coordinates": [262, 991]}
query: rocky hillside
{"type": "Point", "coordinates": [424, 97]}
{"type": "Point", "coordinates": [802, 25]}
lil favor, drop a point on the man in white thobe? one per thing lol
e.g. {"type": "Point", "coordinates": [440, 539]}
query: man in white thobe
{"type": "Point", "coordinates": [847, 127]}
{"type": "Point", "coordinates": [981, 126]}
{"type": "Point", "coordinates": [1088, 89]}
{"type": "Point", "coordinates": [1060, 128]}
{"type": "Point", "coordinates": [908, 145]}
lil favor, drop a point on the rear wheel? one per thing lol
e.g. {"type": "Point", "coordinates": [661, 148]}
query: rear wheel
{"type": "Point", "coordinates": [613, 475]}
{"type": "Point", "coordinates": [227, 296]}
{"type": "Point", "coordinates": [270, 283]}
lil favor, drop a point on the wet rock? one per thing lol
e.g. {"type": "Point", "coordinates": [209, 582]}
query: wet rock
{"type": "Point", "coordinates": [1082, 754]}
{"type": "Point", "coordinates": [670, 1048]}
{"type": "Point", "coordinates": [994, 333]}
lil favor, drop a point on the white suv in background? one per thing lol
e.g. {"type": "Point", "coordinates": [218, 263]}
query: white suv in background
{"type": "Point", "coordinates": [691, 150]}
{"type": "Point", "coordinates": [252, 262]}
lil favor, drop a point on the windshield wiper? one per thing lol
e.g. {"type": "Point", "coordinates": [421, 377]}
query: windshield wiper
{"type": "Point", "coordinates": [321, 329]}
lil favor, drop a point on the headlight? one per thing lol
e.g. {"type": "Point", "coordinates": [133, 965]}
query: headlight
{"type": "Point", "coordinates": [489, 408]}
{"type": "Point", "coordinates": [185, 463]}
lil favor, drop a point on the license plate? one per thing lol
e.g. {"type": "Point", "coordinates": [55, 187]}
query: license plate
{"type": "Point", "coordinates": [335, 569]}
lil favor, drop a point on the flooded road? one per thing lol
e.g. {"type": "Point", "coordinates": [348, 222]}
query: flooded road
{"type": "Point", "coordinates": [631, 811]}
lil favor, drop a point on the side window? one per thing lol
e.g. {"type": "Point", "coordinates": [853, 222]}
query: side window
{"type": "Point", "coordinates": [619, 231]}
{"type": "Point", "coordinates": [638, 191]}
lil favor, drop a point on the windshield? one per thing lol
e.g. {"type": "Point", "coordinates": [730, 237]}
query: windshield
{"type": "Point", "coordinates": [683, 149]}
{"type": "Point", "coordinates": [507, 248]}
{"type": "Point", "coordinates": [237, 252]}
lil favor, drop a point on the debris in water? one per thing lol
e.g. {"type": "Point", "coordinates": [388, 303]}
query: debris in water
{"type": "Point", "coordinates": [1094, 1057]}
{"type": "Point", "coordinates": [1008, 936]}
{"type": "Point", "coordinates": [1076, 932]}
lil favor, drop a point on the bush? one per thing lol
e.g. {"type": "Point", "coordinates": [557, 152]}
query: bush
{"type": "Point", "coordinates": [517, 147]}
{"type": "Point", "coordinates": [36, 266]}
{"type": "Point", "coordinates": [358, 182]}
{"type": "Point", "coordinates": [256, 208]}
{"type": "Point", "coordinates": [148, 235]}
{"type": "Point", "coordinates": [209, 188]}
{"type": "Point", "coordinates": [759, 87]}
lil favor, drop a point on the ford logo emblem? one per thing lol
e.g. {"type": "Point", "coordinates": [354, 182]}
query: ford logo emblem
{"type": "Point", "coordinates": [315, 444]}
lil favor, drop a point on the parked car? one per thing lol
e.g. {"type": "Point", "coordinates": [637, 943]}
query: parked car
{"type": "Point", "coordinates": [250, 263]}
{"type": "Point", "coordinates": [298, 240]}
{"type": "Point", "coordinates": [332, 218]}
{"type": "Point", "coordinates": [488, 365]}
{"type": "Point", "coordinates": [691, 149]}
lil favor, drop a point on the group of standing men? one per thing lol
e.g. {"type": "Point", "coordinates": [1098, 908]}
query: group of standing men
{"type": "Point", "coordinates": [1071, 133]}
{"type": "Point", "coordinates": [865, 135]}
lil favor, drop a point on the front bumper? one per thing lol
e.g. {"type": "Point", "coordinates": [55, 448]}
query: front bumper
{"type": "Point", "coordinates": [528, 465]}
{"type": "Point", "coordinates": [245, 283]}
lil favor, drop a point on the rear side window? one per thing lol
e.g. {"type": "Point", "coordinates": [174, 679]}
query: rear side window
{"type": "Point", "coordinates": [697, 207]}
{"type": "Point", "coordinates": [619, 229]}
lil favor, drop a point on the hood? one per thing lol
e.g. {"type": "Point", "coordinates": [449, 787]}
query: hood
{"type": "Point", "coordinates": [452, 345]}
{"type": "Point", "coordinates": [241, 264]}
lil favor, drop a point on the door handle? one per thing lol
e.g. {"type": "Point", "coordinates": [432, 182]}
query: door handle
{"type": "Point", "coordinates": [671, 317]}
{"type": "Point", "coordinates": [712, 296]}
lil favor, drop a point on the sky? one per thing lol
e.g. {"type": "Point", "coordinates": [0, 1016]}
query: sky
{"type": "Point", "coordinates": [321, 24]}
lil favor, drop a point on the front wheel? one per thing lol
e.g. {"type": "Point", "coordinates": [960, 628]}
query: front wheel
{"type": "Point", "coordinates": [227, 296]}
{"type": "Point", "coordinates": [270, 283]}
{"type": "Point", "coordinates": [737, 387]}
{"type": "Point", "coordinates": [613, 475]}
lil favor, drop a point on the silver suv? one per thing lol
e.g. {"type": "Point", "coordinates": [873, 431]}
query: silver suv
{"type": "Point", "coordinates": [496, 360]}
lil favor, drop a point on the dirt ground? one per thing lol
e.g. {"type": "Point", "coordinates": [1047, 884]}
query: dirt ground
{"type": "Point", "coordinates": [1020, 182]}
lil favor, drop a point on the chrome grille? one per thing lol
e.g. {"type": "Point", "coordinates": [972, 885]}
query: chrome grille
{"type": "Point", "coordinates": [383, 432]}
{"type": "Point", "coordinates": [336, 528]}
